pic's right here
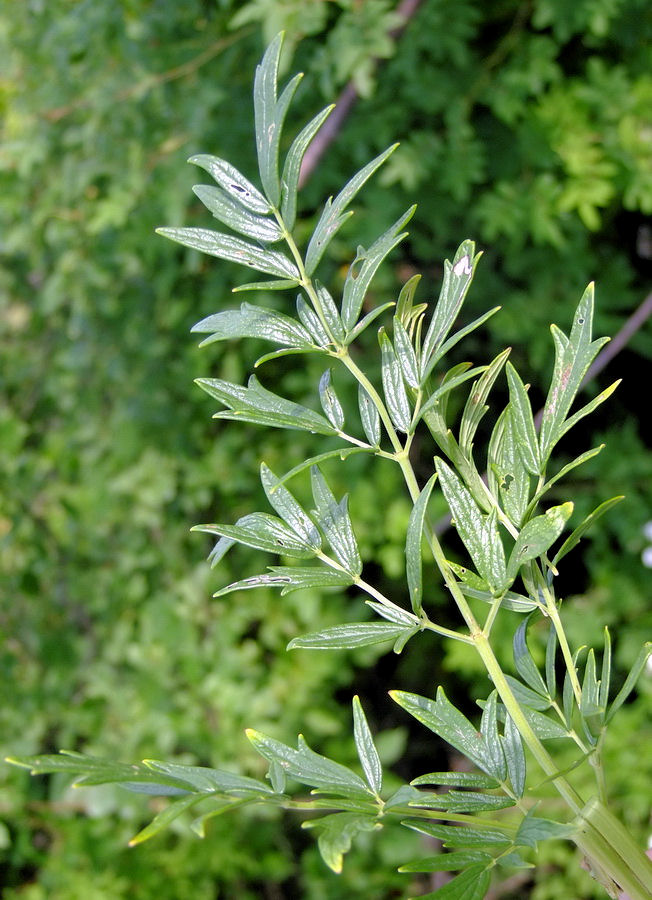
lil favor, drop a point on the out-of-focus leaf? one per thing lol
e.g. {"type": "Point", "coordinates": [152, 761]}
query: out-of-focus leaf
{"type": "Point", "coordinates": [336, 833]}
{"type": "Point", "coordinates": [630, 681]}
{"type": "Point", "coordinates": [234, 249]}
{"type": "Point", "coordinates": [367, 753]}
{"type": "Point", "coordinates": [347, 637]}
{"type": "Point", "coordinates": [413, 560]}
{"type": "Point", "coordinates": [171, 812]}
{"type": "Point", "coordinates": [292, 167]}
{"type": "Point", "coordinates": [333, 215]}
{"type": "Point", "coordinates": [255, 322]}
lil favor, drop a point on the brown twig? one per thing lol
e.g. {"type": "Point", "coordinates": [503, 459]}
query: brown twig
{"type": "Point", "coordinates": [346, 101]}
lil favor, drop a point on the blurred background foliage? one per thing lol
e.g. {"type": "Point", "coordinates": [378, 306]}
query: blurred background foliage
{"type": "Point", "coordinates": [523, 125]}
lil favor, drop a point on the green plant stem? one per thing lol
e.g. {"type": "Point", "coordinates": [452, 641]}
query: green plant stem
{"type": "Point", "coordinates": [625, 865]}
{"type": "Point", "coordinates": [553, 614]}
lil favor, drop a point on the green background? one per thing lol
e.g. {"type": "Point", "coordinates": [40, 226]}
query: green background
{"type": "Point", "coordinates": [525, 126]}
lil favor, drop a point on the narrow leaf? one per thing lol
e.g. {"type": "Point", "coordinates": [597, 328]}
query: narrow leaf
{"type": "Point", "coordinates": [489, 731]}
{"type": "Point", "coordinates": [367, 753]}
{"type": "Point", "coordinates": [450, 724]}
{"type": "Point", "coordinates": [456, 779]}
{"type": "Point", "coordinates": [234, 249]}
{"type": "Point", "coordinates": [573, 356]}
{"type": "Point", "coordinates": [534, 829]}
{"type": "Point", "coordinates": [537, 536]}
{"type": "Point", "coordinates": [369, 417]}
{"type": "Point", "coordinates": [447, 862]}
{"type": "Point", "coordinates": [269, 116]}
{"type": "Point", "coordinates": [331, 314]}
{"type": "Point", "coordinates": [308, 767]}
{"type": "Point", "coordinates": [396, 397]}
{"type": "Point", "coordinates": [448, 345]}
{"type": "Point", "coordinates": [525, 665]}
{"type": "Point", "coordinates": [291, 578]}
{"type": "Point", "coordinates": [292, 167]}
{"type": "Point", "coordinates": [405, 302]}
{"type": "Point", "coordinates": [605, 677]}
{"type": "Point", "coordinates": [630, 681]}
{"type": "Point", "coordinates": [336, 524]}
{"type": "Point", "coordinates": [334, 215]}
{"type": "Point", "coordinates": [263, 532]}
{"type": "Point", "coordinates": [405, 354]}
{"type": "Point", "coordinates": [459, 835]}
{"type": "Point", "coordinates": [312, 323]}
{"type": "Point", "coordinates": [347, 637]}
{"type": "Point", "coordinates": [476, 407]}
{"type": "Point", "coordinates": [256, 404]}
{"type": "Point", "coordinates": [523, 421]}
{"type": "Point", "coordinates": [330, 402]}
{"type": "Point", "coordinates": [288, 509]}
{"type": "Point", "coordinates": [479, 533]}
{"type": "Point", "coordinates": [413, 559]}
{"type": "Point", "coordinates": [366, 321]}
{"type": "Point", "coordinates": [255, 322]}
{"type": "Point", "coordinates": [365, 266]}
{"type": "Point", "coordinates": [233, 183]}
{"type": "Point", "coordinates": [515, 756]}
{"type": "Point", "coordinates": [457, 280]}
{"type": "Point", "coordinates": [575, 536]}
{"type": "Point", "coordinates": [230, 212]}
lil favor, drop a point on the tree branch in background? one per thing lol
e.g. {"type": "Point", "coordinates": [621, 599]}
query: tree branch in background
{"type": "Point", "coordinates": [346, 101]}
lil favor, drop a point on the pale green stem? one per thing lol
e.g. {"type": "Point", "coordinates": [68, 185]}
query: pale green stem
{"type": "Point", "coordinates": [553, 614]}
